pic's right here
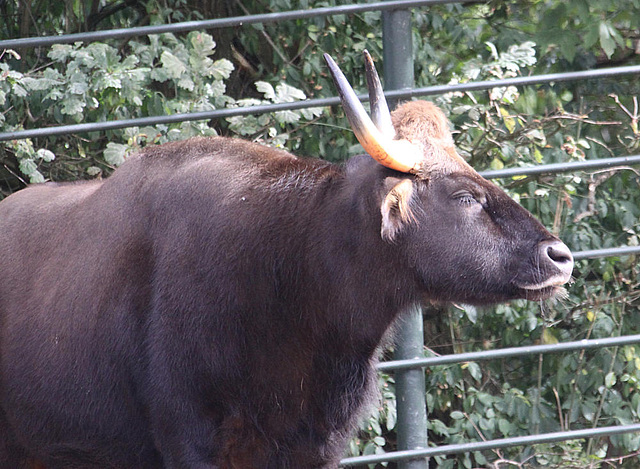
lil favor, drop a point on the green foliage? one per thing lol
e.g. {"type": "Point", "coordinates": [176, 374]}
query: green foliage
{"type": "Point", "coordinates": [381, 424]}
{"type": "Point", "coordinates": [504, 127]}
{"type": "Point", "coordinates": [163, 74]}
{"type": "Point", "coordinates": [265, 127]}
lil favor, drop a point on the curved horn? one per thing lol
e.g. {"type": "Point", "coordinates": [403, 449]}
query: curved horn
{"type": "Point", "coordinates": [380, 114]}
{"type": "Point", "coordinates": [400, 155]}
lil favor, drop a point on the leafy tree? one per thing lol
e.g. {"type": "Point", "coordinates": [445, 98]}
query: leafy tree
{"type": "Point", "coordinates": [556, 122]}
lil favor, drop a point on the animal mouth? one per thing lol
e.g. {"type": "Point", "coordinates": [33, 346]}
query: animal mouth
{"type": "Point", "coordinates": [544, 290]}
{"type": "Point", "coordinates": [554, 281]}
{"type": "Point", "coordinates": [543, 293]}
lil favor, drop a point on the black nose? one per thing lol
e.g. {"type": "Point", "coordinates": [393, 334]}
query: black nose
{"type": "Point", "coordinates": [558, 254]}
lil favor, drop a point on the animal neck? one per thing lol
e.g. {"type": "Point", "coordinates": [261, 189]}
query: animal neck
{"type": "Point", "coordinates": [366, 301]}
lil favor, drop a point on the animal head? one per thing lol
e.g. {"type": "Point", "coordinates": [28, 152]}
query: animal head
{"type": "Point", "coordinates": [467, 239]}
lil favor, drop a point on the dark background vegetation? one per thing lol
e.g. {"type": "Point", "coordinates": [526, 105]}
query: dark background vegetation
{"type": "Point", "coordinates": [504, 127]}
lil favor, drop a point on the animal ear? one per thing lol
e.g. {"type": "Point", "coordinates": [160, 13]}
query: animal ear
{"type": "Point", "coordinates": [396, 207]}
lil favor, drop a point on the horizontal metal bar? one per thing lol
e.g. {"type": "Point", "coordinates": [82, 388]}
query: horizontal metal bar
{"type": "Point", "coordinates": [491, 444]}
{"type": "Point", "coordinates": [318, 102]}
{"type": "Point", "coordinates": [170, 119]}
{"type": "Point", "coordinates": [562, 167]}
{"type": "Point", "coordinates": [509, 352]}
{"type": "Point", "coordinates": [608, 252]}
{"type": "Point", "coordinates": [518, 81]}
{"type": "Point", "coordinates": [218, 23]}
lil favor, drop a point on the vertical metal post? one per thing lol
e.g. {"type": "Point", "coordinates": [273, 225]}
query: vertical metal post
{"type": "Point", "coordinates": [410, 388]}
{"type": "Point", "coordinates": [410, 384]}
{"type": "Point", "coordinates": [397, 50]}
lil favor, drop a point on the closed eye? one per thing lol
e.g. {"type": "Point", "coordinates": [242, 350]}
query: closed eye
{"type": "Point", "coordinates": [465, 198]}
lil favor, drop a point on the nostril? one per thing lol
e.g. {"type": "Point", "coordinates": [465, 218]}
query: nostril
{"type": "Point", "coordinates": [559, 254]}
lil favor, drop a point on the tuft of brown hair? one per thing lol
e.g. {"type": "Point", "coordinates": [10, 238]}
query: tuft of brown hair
{"type": "Point", "coordinates": [421, 121]}
{"type": "Point", "coordinates": [424, 123]}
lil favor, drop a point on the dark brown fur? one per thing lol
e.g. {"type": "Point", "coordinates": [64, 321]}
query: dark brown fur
{"type": "Point", "coordinates": [219, 304]}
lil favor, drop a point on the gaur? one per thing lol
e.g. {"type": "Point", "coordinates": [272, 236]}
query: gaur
{"type": "Point", "coordinates": [216, 303]}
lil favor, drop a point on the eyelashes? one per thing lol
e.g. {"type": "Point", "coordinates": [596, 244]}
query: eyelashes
{"type": "Point", "coordinates": [465, 198]}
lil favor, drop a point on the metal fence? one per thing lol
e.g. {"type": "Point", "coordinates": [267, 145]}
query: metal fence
{"type": "Point", "coordinates": [409, 364]}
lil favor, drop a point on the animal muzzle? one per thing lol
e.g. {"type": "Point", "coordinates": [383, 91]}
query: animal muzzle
{"type": "Point", "coordinates": [555, 265]}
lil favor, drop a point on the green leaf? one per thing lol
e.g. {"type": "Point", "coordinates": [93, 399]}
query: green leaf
{"type": "Point", "coordinates": [129, 62]}
{"type": "Point", "coordinates": [509, 122]}
{"type": "Point", "coordinates": [392, 414]}
{"type": "Point", "coordinates": [79, 87]}
{"type": "Point", "coordinates": [19, 91]}
{"type": "Point", "coordinates": [592, 35]}
{"type": "Point", "coordinates": [60, 52]}
{"type": "Point", "coordinates": [504, 427]}
{"type": "Point", "coordinates": [36, 178]}
{"type": "Point", "coordinates": [287, 117]}
{"type": "Point", "coordinates": [548, 337]}
{"type": "Point", "coordinates": [244, 125]}
{"type": "Point", "coordinates": [186, 83]}
{"type": "Point", "coordinates": [374, 425]}
{"type": "Point", "coordinates": [172, 65]}
{"type": "Point", "coordinates": [286, 94]}
{"type": "Point", "coordinates": [39, 84]}
{"type": "Point", "coordinates": [475, 371]}
{"type": "Point", "coordinates": [588, 409]}
{"type": "Point", "coordinates": [610, 380]}
{"type": "Point", "coordinates": [221, 69]}
{"type": "Point", "coordinates": [568, 46]}
{"type": "Point", "coordinates": [45, 155]}
{"type": "Point", "coordinates": [93, 171]}
{"type": "Point", "coordinates": [439, 428]}
{"type": "Point", "coordinates": [202, 43]}
{"type": "Point", "coordinates": [266, 89]}
{"type": "Point", "coordinates": [480, 459]}
{"type": "Point", "coordinates": [73, 106]}
{"type": "Point", "coordinates": [496, 164]}
{"type": "Point", "coordinates": [311, 112]}
{"type": "Point", "coordinates": [607, 41]}
{"type": "Point", "coordinates": [28, 166]}
{"type": "Point", "coordinates": [115, 153]}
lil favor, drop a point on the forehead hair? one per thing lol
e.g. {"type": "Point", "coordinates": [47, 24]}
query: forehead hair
{"type": "Point", "coordinates": [423, 123]}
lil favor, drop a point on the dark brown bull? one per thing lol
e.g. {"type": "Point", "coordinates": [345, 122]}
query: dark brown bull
{"type": "Point", "coordinates": [219, 304]}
